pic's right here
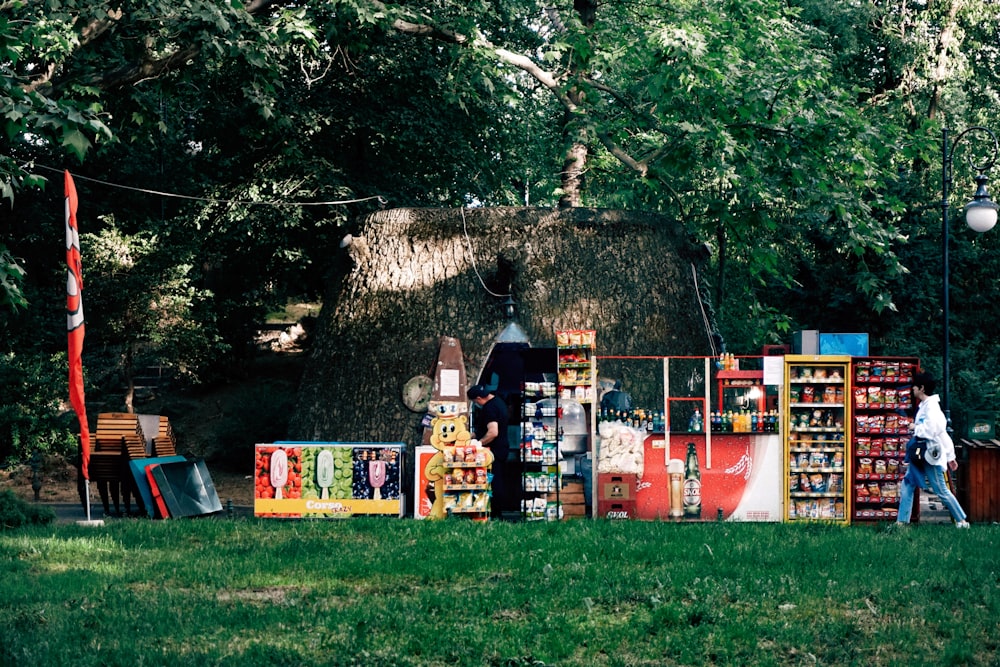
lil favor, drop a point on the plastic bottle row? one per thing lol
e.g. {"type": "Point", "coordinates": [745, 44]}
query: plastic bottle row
{"type": "Point", "coordinates": [640, 419]}
{"type": "Point", "coordinates": [744, 421]}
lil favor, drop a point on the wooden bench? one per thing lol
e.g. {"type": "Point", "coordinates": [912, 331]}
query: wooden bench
{"type": "Point", "coordinates": [117, 439]}
{"type": "Point", "coordinates": [164, 443]}
{"type": "Point", "coordinates": [120, 431]}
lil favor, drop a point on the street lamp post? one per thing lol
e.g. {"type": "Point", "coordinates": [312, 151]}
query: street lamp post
{"type": "Point", "coordinates": [980, 215]}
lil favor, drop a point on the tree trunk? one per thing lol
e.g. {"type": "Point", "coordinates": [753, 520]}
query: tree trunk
{"type": "Point", "coordinates": [418, 274]}
{"type": "Point", "coordinates": [572, 175]}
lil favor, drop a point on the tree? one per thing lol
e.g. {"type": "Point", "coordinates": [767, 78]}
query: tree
{"type": "Point", "coordinates": [789, 138]}
{"type": "Point", "coordinates": [11, 275]}
{"type": "Point", "coordinates": [149, 308]}
{"type": "Point", "coordinates": [418, 274]}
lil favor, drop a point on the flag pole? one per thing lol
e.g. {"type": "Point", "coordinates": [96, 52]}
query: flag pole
{"type": "Point", "coordinates": [75, 333]}
{"type": "Point", "coordinates": [86, 486]}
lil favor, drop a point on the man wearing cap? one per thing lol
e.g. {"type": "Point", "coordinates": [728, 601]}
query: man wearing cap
{"type": "Point", "coordinates": [490, 428]}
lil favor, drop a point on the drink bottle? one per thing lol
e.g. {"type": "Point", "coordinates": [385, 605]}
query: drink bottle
{"type": "Point", "coordinates": [692, 484]}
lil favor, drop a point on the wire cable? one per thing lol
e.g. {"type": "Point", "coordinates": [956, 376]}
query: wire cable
{"type": "Point", "coordinates": [381, 200]}
{"type": "Point", "coordinates": [472, 257]}
{"type": "Point", "coordinates": [704, 315]}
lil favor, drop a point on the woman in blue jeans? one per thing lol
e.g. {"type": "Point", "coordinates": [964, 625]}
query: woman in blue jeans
{"type": "Point", "coordinates": [931, 425]}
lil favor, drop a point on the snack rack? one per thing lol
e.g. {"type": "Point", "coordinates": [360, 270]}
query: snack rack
{"type": "Point", "coordinates": [882, 405]}
{"type": "Point", "coordinates": [816, 430]}
{"type": "Point", "coordinates": [539, 452]}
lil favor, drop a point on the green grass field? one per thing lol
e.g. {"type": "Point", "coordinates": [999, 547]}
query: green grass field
{"type": "Point", "coordinates": [402, 592]}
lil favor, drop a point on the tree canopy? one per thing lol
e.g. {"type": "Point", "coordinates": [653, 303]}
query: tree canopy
{"type": "Point", "coordinates": [799, 141]}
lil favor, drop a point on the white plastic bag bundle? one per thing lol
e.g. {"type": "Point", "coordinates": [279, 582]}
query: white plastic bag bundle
{"type": "Point", "coordinates": [620, 449]}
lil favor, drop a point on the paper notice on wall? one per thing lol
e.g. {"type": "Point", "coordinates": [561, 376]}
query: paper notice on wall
{"type": "Point", "coordinates": [774, 370]}
{"type": "Point", "coordinates": [450, 382]}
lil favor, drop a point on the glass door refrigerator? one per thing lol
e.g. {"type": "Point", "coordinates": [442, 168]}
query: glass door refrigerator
{"type": "Point", "coordinates": [817, 420]}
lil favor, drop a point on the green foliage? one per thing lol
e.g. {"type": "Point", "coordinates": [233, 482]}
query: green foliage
{"type": "Point", "coordinates": [16, 513]}
{"type": "Point", "coordinates": [142, 302]}
{"type": "Point", "coordinates": [43, 34]}
{"type": "Point", "coordinates": [33, 416]}
{"type": "Point", "coordinates": [11, 275]}
{"type": "Point", "coordinates": [797, 140]}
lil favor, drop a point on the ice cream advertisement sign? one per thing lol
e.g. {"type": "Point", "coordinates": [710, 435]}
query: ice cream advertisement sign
{"type": "Point", "coordinates": [327, 479]}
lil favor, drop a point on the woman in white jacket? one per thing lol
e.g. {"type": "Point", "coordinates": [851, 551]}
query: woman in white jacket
{"type": "Point", "coordinates": [931, 425]}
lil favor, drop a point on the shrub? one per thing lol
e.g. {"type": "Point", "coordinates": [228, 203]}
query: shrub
{"type": "Point", "coordinates": [15, 512]}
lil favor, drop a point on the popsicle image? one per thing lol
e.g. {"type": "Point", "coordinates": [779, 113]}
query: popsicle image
{"type": "Point", "coordinates": [376, 475]}
{"type": "Point", "coordinates": [279, 471]}
{"type": "Point", "coordinates": [324, 472]}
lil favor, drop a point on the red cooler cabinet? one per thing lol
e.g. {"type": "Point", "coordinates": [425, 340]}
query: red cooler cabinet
{"type": "Point", "coordinates": [882, 408]}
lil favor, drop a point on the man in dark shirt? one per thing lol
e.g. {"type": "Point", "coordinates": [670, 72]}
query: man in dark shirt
{"type": "Point", "coordinates": [490, 428]}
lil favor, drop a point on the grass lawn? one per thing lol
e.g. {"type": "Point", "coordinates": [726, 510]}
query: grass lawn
{"type": "Point", "coordinates": [373, 591]}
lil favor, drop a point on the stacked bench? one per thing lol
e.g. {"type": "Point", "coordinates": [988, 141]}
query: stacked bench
{"type": "Point", "coordinates": [118, 439]}
{"type": "Point", "coordinates": [164, 443]}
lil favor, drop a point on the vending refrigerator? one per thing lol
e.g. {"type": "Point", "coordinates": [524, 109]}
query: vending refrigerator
{"type": "Point", "coordinates": [882, 405]}
{"type": "Point", "coordinates": [816, 422]}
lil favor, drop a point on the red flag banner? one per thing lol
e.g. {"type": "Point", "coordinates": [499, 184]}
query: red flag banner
{"type": "Point", "coordinates": [74, 321]}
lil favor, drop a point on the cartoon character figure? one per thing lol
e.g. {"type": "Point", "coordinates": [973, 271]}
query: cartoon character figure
{"type": "Point", "coordinates": [449, 429]}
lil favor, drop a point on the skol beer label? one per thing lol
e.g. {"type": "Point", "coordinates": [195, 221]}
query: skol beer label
{"type": "Point", "coordinates": [692, 496]}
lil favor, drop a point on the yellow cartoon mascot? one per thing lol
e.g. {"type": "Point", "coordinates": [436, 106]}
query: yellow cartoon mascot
{"type": "Point", "coordinates": [449, 429]}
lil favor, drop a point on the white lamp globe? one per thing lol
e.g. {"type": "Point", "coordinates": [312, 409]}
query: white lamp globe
{"type": "Point", "coordinates": [981, 218]}
{"type": "Point", "coordinates": [981, 212]}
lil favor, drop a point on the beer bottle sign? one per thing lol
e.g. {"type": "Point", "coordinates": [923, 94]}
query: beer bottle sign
{"type": "Point", "coordinates": [692, 484]}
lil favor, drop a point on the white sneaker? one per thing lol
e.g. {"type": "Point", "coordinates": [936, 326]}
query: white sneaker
{"type": "Point", "coordinates": [962, 524]}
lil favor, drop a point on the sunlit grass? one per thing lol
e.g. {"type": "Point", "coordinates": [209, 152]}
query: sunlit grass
{"type": "Point", "coordinates": [373, 591]}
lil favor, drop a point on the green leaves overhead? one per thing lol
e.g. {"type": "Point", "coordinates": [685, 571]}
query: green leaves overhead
{"type": "Point", "coordinates": [797, 140]}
